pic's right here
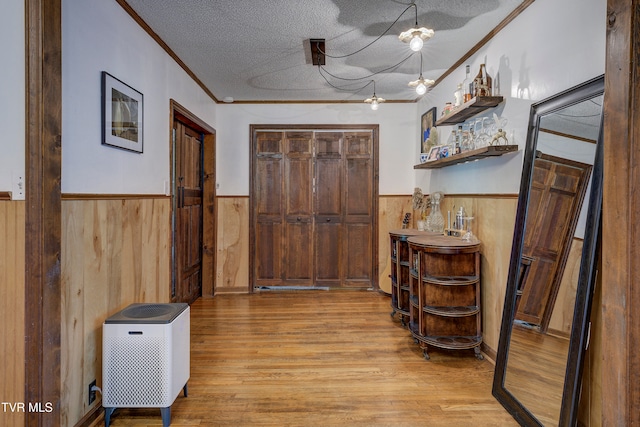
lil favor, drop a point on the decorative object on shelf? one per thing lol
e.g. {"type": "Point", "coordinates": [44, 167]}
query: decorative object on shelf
{"type": "Point", "coordinates": [434, 153]}
{"type": "Point", "coordinates": [122, 115]}
{"type": "Point", "coordinates": [444, 152]}
{"type": "Point", "coordinates": [420, 203]}
{"type": "Point", "coordinates": [406, 219]}
{"type": "Point", "coordinates": [428, 134]}
{"type": "Point", "coordinates": [500, 134]}
{"type": "Point", "coordinates": [435, 220]}
{"type": "Point", "coordinates": [482, 83]}
{"type": "Point", "coordinates": [447, 108]}
{"type": "Point", "coordinates": [416, 36]}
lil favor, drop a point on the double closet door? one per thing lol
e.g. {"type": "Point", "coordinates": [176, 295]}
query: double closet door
{"type": "Point", "coordinates": [314, 207]}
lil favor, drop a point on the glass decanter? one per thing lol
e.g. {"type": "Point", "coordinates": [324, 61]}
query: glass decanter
{"type": "Point", "coordinates": [435, 221]}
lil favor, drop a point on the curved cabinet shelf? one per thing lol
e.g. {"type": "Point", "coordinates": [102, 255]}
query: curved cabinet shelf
{"type": "Point", "coordinates": [451, 280]}
{"type": "Point", "coordinates": [401, 271]}
{"type": "Point", "coordinates": [452, 311]}
{"type": "Point", "coordinates": [445, 301]}
{"type": "Point", "coordinates": [453, 342]}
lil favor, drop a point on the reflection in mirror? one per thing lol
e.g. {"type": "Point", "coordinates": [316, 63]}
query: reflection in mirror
{"type": "Point", "coordinates": [549, 286]}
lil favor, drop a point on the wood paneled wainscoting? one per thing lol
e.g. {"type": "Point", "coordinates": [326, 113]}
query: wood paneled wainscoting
{"type": "Point", "coordinates": [12, 302]}
{"type": "Point", "coordinates": [115, 251]}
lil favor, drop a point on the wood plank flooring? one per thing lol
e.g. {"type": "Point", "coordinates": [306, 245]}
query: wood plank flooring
{"type": "Point", "coordinates": [320, 358]}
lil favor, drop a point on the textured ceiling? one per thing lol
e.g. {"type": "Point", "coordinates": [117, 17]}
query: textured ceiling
{"type": "Point", "coordinates": [256, 50]}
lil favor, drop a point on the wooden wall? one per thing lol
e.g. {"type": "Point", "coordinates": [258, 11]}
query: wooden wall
{"type": "Point", "coordinates": [494, 219]}
{"type": "Point", "coordinates": [114, 252]}
{"type": "Point", "coordinates": [232, 246]}
{"type": "Point", "coordinates": [391, 211]}
{"type": "Point", "coordinates": [12, 302]}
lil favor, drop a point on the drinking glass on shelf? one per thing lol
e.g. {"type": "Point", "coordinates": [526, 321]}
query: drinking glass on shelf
{"type": "Point", "coordinates": [488, 125]}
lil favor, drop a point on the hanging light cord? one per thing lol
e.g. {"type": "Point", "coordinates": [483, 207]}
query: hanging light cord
{"type": "Point", "coordinates": [345, 88]}
{"type": "Point", "coordinates": [320, 67]}
{"type": "Point", "coordinates": [377, 38]}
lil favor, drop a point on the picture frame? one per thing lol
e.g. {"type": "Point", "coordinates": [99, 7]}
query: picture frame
{"type": "Point", "coordinates": [122, 115]}
{"type": "Point", "coordinates": [427, 123]}
{"type": "Point", "coordinates": [434, 153]}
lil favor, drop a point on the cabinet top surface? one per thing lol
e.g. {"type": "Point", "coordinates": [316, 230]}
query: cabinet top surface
{"type": "Point", "coordinates": [412, 232]}
{"type": "Point", "coordinates": [441, 241]}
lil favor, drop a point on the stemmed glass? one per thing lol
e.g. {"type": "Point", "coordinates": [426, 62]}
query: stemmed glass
{"type": "Point", "coordinates": [482, 128]}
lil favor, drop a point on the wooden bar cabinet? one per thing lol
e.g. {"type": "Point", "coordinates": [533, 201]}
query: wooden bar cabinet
{"type": "Point", "coordinates": [400, 270]}
{"type": "Point", "coordinates": [444, 288]}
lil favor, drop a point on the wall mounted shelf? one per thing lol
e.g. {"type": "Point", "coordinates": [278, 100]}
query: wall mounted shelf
{"type": "Point", "coordinates": [469, 109]}
{"type": "Point", "coordinates": [468, 156]}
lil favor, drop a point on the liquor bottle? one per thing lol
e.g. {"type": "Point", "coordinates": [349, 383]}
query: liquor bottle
{"type": "Point", "coordinates": [467, 87]}
{"type": "Point", "coordinates": [482, 83]}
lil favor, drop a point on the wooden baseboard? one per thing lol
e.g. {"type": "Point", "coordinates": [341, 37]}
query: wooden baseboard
{"type": "Point", "coordinates": [489, 353]}
{"type": "Point", "coordinates": [93, 418]}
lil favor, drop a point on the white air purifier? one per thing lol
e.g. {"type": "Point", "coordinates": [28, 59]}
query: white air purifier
{"type": "Point", "coordinates": [145, 358]}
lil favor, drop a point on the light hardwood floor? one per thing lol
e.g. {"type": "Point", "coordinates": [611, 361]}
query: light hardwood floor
{"type": "Point", "coordinates": [320, 358]}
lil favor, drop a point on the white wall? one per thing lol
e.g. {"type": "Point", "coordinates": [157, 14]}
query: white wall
{"type": "Point", "coordinates": [398, 134]}
{"type": "Point", "coordinates": [99, 35]}
{"type": "Point", "coordinates": [552, 46]}
{"type": "Point", "coordinates": [539, 54]}
{"type": "Point", "coordinates": [12, 96]}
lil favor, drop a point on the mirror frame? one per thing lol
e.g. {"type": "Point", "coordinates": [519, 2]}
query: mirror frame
{"type": "Point", "coordinates": [580, 329]}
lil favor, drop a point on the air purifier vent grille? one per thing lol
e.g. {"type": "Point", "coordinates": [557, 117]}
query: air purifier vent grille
{"type": "Point", "coordinates": [136, 373]}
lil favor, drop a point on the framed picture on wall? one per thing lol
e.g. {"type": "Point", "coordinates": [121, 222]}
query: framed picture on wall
{"type": "Point", "coordinates": [122, 108]}
{"type": "Point", "coordinates": [427, 138]}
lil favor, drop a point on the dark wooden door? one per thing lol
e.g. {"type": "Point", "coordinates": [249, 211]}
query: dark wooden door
{"type": "Point", "coordinates": [298, 209]}
{"type": "Point", "coordinates": [314, 197]}
{"type": "Point", "coordinates": [188, 213]}
{"type": "Point", "coordinates": [557, 192]}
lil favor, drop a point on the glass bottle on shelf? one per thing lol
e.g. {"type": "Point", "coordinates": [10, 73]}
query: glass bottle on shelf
{"type": "Point", "coordinates": [435, 220]}
{"type": "Point", "coordinates": [466, 87]}
{"type": "Point", "coordinates": [482, 82]}
{"type": "Point", "coordinates": [459, 96]}
{"type": "Point", "coordinates": [451, 142]}
{"type": "Point", "coordinates": [458, 141]}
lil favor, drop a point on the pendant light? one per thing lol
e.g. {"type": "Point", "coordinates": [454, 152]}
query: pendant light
{"type": "Point", "coordinates": [421, 84]}
{"type": "Point", "coordinates": [416, 36]}
{"type": "Point", "coordinates": [374, 100]}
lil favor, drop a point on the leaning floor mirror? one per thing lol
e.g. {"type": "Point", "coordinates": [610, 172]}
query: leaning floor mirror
{"type": "Point", "coordinates": [552, 270]}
